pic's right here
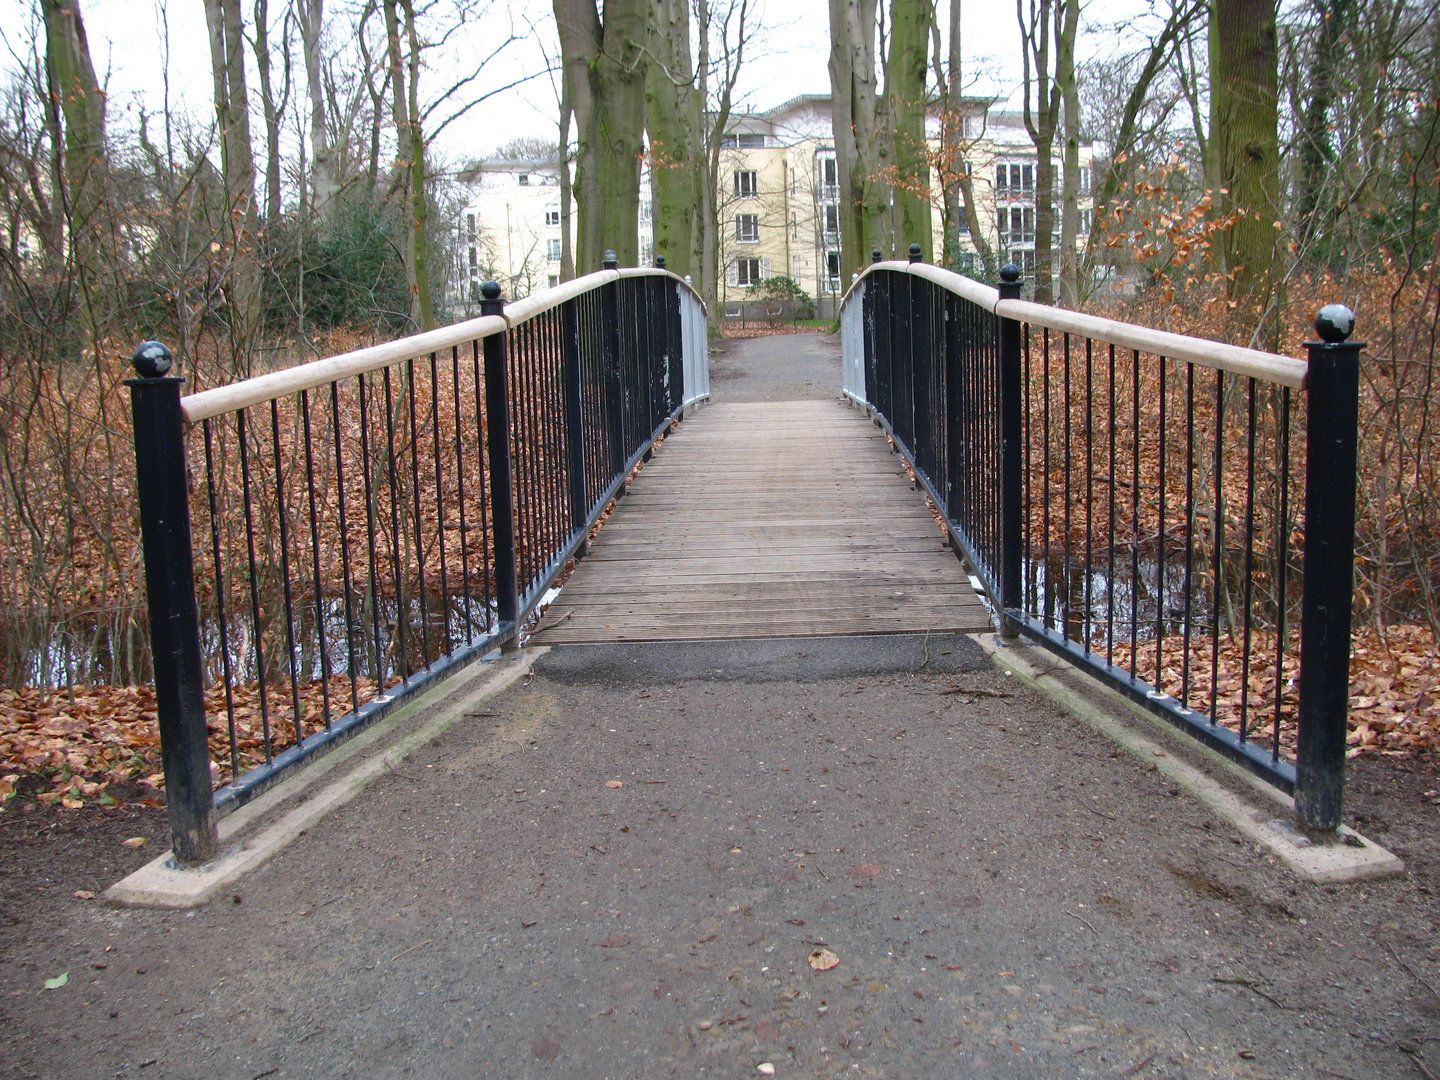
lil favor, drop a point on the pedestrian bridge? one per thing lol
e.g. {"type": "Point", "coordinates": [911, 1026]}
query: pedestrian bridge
{"type": "Point", "coordinates": [323, 542]}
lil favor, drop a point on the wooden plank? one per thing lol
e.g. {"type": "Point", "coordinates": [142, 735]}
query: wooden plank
{"type": "Point", "coordinates": [772, 519]}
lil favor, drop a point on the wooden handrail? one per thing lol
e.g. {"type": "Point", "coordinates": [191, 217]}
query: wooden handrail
{"type": "Point", "coordinates": [307, 376]}
{"type": "Point", "coordinates": [1271, 367]}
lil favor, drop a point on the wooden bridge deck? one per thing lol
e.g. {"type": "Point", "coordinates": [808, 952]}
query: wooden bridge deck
{"type": "Point", "coordinates": [774, 519]}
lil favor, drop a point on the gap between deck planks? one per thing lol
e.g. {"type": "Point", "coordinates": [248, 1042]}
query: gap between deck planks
{"type": "Point", "coordinates": [773, 519]}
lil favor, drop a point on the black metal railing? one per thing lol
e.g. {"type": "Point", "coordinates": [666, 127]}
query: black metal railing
{"type": "Point", "coordinates": [322, 542]}
{"type": "Point", "coordinates": [1174, 515]}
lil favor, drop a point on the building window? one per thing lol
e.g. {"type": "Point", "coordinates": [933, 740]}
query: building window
{"type": "Point", "coordinates": [1015, 179]}
{"type": "Point", "coordinates": [470, 227]}
{"type": "Point", "coordinates": [1017, 224]}
{"type": "Point", "coordinates": [1084, 179]}
{"type": "Point", "coordinates": [524, 179]}
{"type": "Point", "coordinates": [474, 259]}
{"type": "Point", "coordinates": [746, 186]}
{"type": "Point", "coordinates": [963, 228]}
{"type": "Point", "coordinates": [747, 228]}
{"type": "Point", "coordinates": [747, 272]}
{"type": "Point", "coordinates": [742, 142]}
{"type": "Point", "coordinates": [552, 217]}
{"type": "Point", "coordinates": [829, 173]}
{"type": "Point", "coordinates": [554, 280]}
{"type": "Point", "coordinates": [552, 250]}
{"type": "Point", "coordinates": [832, 220]}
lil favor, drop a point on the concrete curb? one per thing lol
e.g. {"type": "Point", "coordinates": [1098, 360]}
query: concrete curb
{"type": "Point", "coordinates": [161, 884]}
{"type": "Point", "coordinates": [1261, 813]}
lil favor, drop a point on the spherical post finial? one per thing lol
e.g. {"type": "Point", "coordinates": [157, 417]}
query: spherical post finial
{"type": "Point", "coordinates": [876, 256]}
{"type": "Point", "coordinates": [610, 261]}
{"type": "Point", "coordinates": [1334, 323]}
{"type": "Point", "coordinates": [152, 360]}
{"type": "Point", "coordinates": [490, 290]}
{"type": "Point", "coordinates": [915, 253]}
{"type": "Point", "coordinates": [660, 262]}
{"type": "Point", "coordinates": [1010, 273]}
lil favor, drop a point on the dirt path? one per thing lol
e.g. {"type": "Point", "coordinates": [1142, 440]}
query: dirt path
{"type": "Point", "coordinates": [1005, 895]}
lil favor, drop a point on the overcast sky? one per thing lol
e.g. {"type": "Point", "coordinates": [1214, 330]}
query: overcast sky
{"type": "Point", "coordinates": [127, 42]}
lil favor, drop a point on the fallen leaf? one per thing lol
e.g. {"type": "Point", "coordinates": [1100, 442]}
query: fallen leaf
{"type": "Point", "coordinates": [134, 842]}
{"type": "Point", "coordinates": [84, 894]}
{"type": "Point", "coordinates": [545, 1048]}
{"type": "Point", "coordinates": [57, 982]}
{"type": "Point", "coordinates": [865, 870]}
{"type": "Point", "coordinates": [823, 960]}
{"type": "Point", "coordinates": [616, 941]}
{"type": "Point", "coordinates": [614, 784]}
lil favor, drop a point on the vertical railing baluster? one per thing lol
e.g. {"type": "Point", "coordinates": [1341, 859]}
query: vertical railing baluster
{"type": "Point", "coordinates": [502, 497]}
{"type": "Point", "coordinates": [1013, 502]}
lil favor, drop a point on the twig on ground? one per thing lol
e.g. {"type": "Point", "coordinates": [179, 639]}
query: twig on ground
{"type": "Point", "coordinates": [1138, 1065]}
{"type": "Point", "coordinates": [1107, 817]}
{"type": "Point", "coordinates": [1426, 1073]}
{"type": "Point", "coordinates": [977, 691]}
{"type": "Point", "coordinates": [1411, 971]}
{"type": "Point", "coordinates": [407, 952]}
{"type": "Point", "coordinates": [1251, 984]}
{"type": "Point", "coordinates": [1074, 916]}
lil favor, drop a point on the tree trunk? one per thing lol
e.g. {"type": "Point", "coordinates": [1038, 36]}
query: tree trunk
{"type": "Point", "coordinates": [274, 110]}
{"type": "Point", "coordinates": [410, 155]}
{"type": "Point", "coordinates": [1315, 148]}
{"type": "Point", "coordinates": [605, 72]}
{"type": "Point", "coordinates": [1066, 30]}
{"type": "Point", "coordinates": [81, 168]}
{"type": "Point", "coordinates": [1041, 122]}
{"type": "Point", "coordinates": [1245, 144]}
{"type": "Point", "coordinates": [859, 125]}
{"type": "Point", "coordinates": [905, 68]}
{"type": "Point", "coordinates": [567, 251]}
{"type": "Point", "coordinates": [322, 162]}
{"type": "Point", "coordinates": [669, 93]}
{"type": "Point", "coordinates": [232, 114]}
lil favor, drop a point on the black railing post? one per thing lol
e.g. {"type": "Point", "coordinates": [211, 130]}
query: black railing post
{"type": "Point", "coordinates": [502, 489]}
{"type": "Point", "coordinates": [1012, 509]}
{"type": "Point", "coordinates": [921, 366]}
{"type": "Point", "coordinates": [614, 379]}
{"type": "Point", "coordinates": [574, 420]}
{"type": "Point", "coordinates": [170, 591]}
{"type": "Point", "coordinates": [1332, 412]}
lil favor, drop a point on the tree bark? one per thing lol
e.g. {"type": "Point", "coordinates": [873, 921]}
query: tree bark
{"type": "Point", "coordinates": [1041, 122]}
{"type": "Point", "coordinates": [323, 182]}
{"type": "Point", "coordinates": [232, 113]}
{"type": "Point", "coordinates": [859, 125]}
{"type": "Point", "coordinates": [81, 103]}
{"type": "Point", "coordinates": [1316, 150]}
{"type": "Point", "coordinates": [274, 110]}
{"type": "Point", "coordinates": [1246, 148]}
{"type": "Point", "coordinates": [906, 101]}
{"type": "Point", "coordinates": [670, 91]}
{"type": "Point", "coordinates": [567, 251]}
{"type": "Point", "coordinates": [1067, 28]}
{"type": "Point", "coordinates": [605, 71]}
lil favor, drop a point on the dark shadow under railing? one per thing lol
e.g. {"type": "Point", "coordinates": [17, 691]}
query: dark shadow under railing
{"type": "Point", "coordinates": [1173, 515]}
{"type": "Point", "coordinates": [324, 541]}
